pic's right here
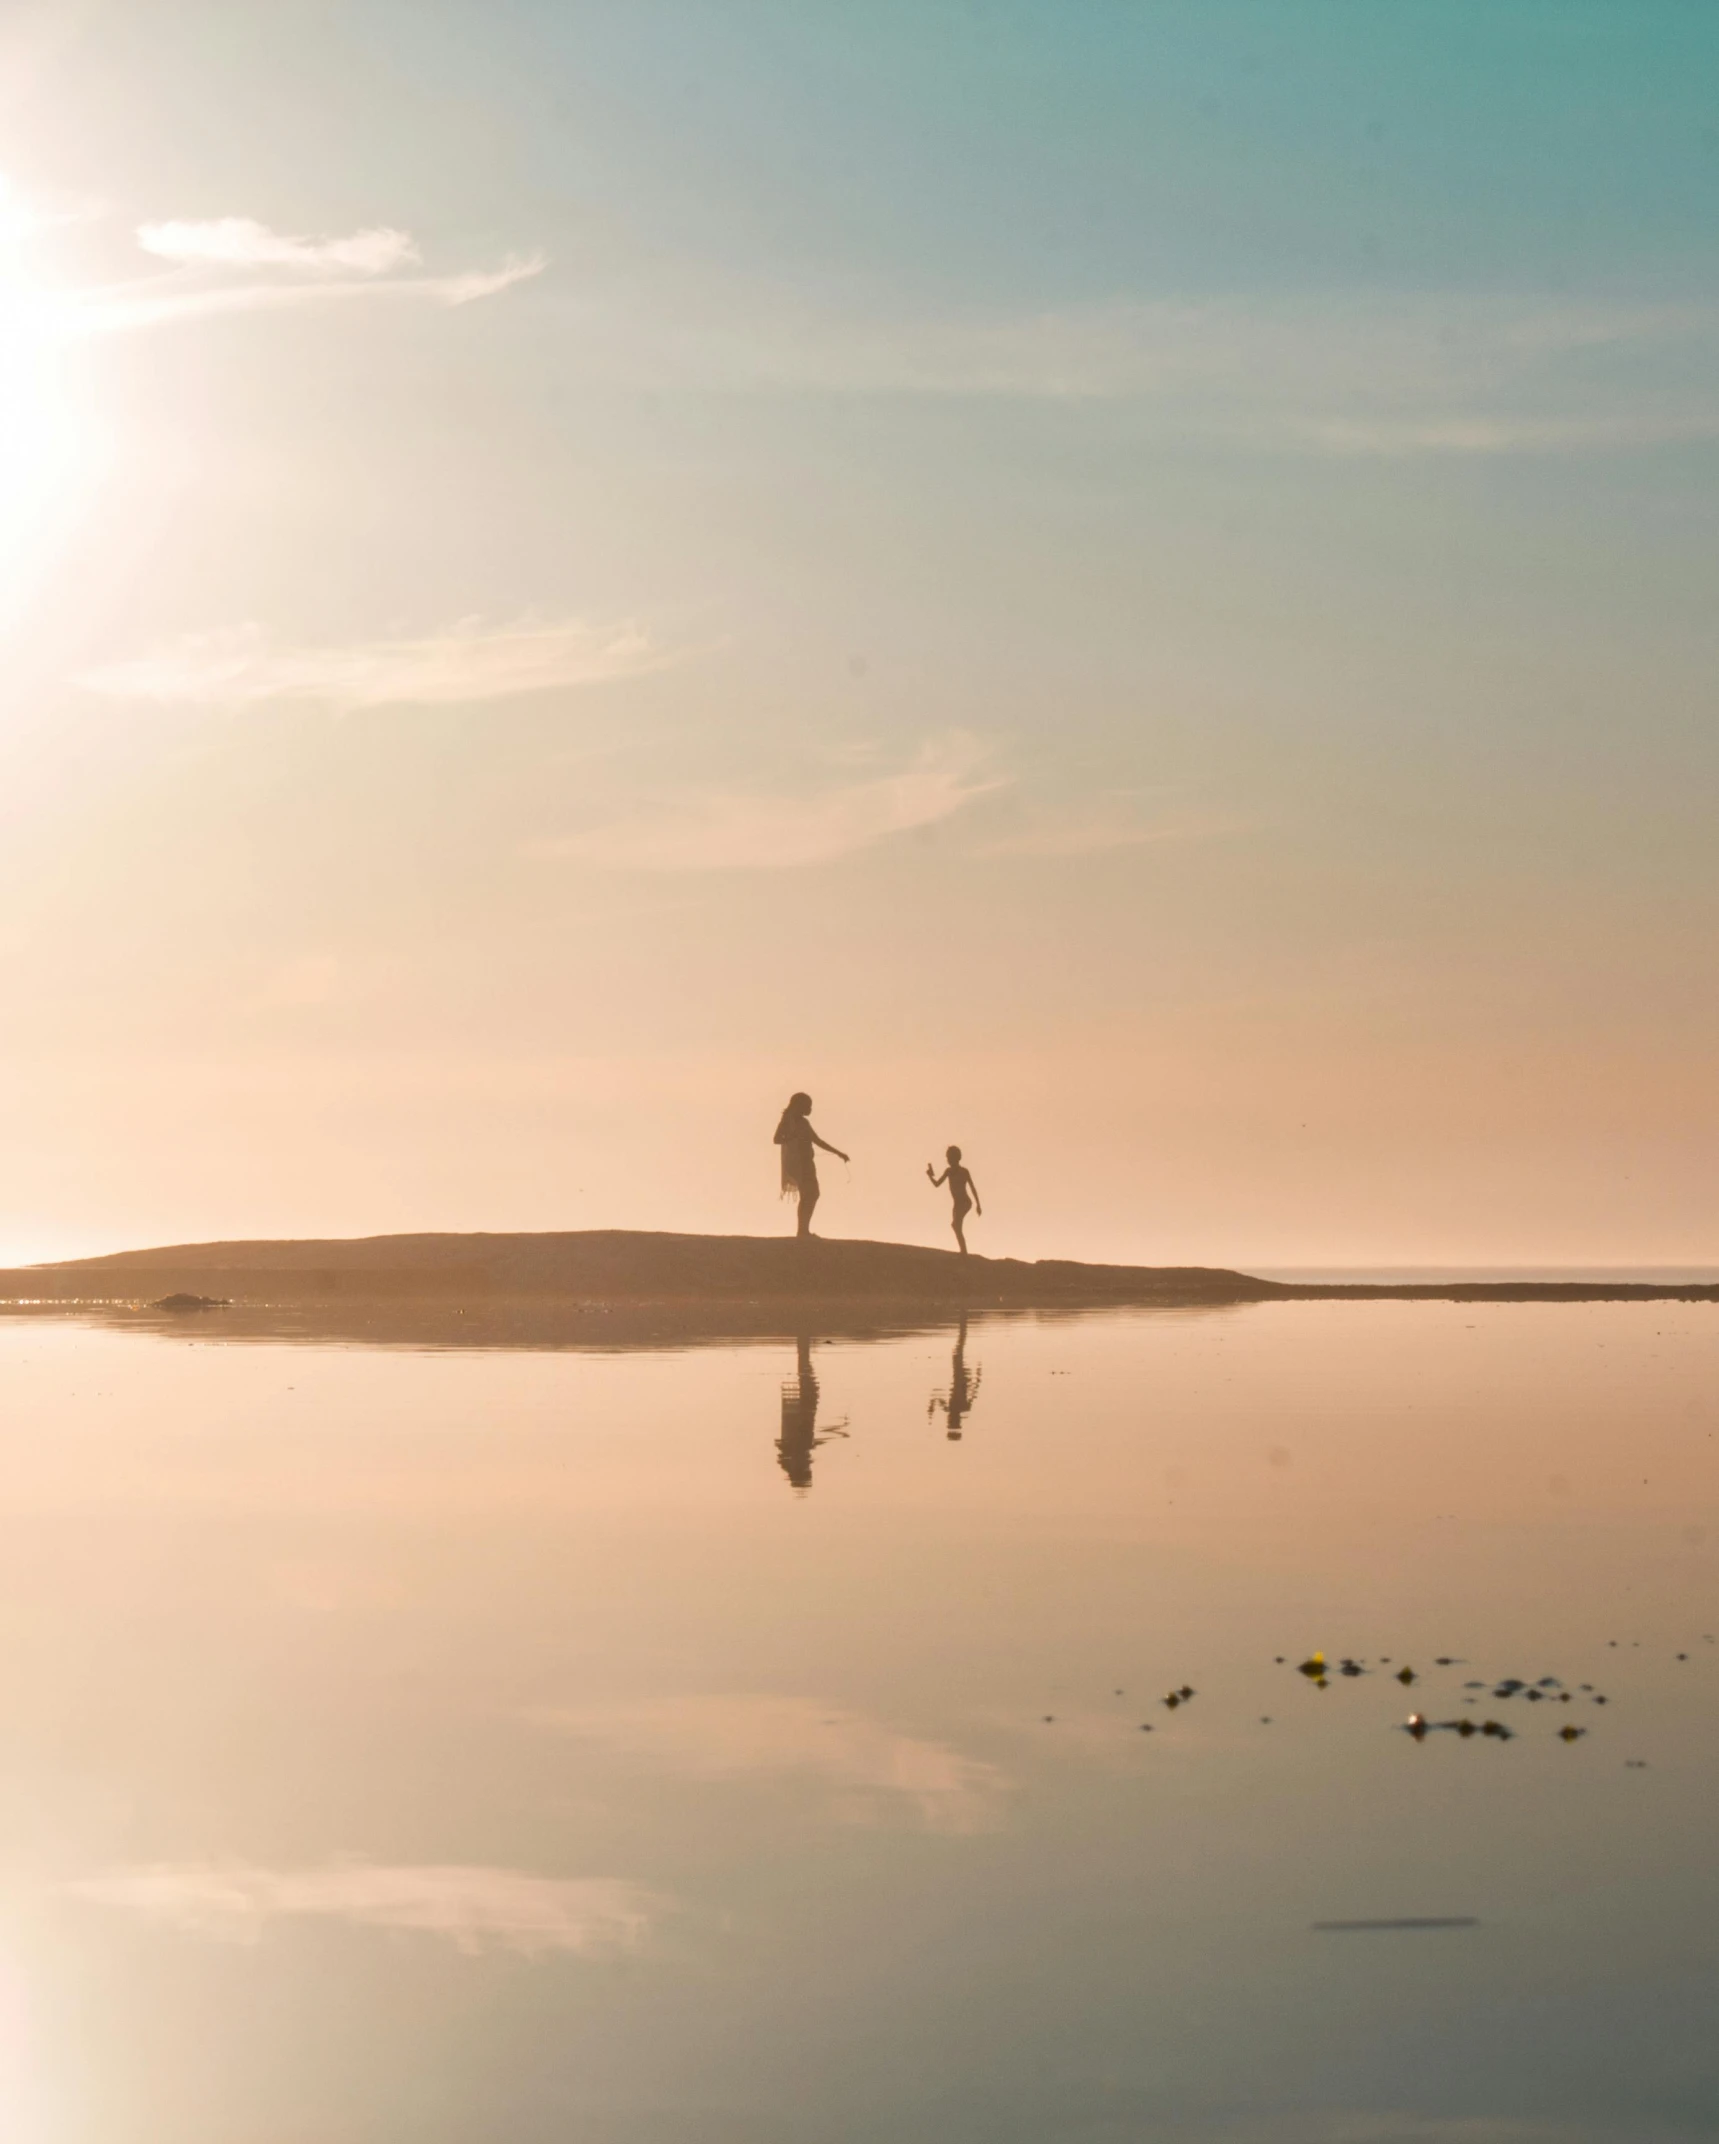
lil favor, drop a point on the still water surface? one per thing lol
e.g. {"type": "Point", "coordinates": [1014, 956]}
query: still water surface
{"type": "Point", "coordinates": [710, 1746]}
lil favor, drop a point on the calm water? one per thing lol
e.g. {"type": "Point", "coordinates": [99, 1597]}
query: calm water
{"type": "Point", "coordinates": [483, 1745]}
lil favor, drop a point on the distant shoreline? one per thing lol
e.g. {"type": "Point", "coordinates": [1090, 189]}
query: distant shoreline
{"type": "Point", "coordinates": [624, 1267]}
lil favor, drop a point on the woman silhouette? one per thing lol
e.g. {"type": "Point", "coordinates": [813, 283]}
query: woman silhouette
{"type": "Point", "coordinates": [796, 1138]}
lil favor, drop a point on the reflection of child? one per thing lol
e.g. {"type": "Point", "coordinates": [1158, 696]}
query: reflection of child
{"type": "Point", "coordinates": [962, 1190]}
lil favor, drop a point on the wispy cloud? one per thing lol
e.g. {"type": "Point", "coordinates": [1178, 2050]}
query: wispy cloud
{"type": "Point", "coordinates": [1337, 372]}
{"type": "Point", "coordinates": [1118, 820]}
{"type": "Point", "coordinates": [871, 1770]}
{"type": "Point", "coordinates": [234, 264]}
{"type": "Point", "coordinates": [474, 1908]}
{"type": "Point", "coordinates": [759, 830]}
{"type": "Point", "coordinates": [471, 661]}
{"type": "Point", "coordinates": [158, 301]}
{"type": "Point", "coordinates": [238, 242]}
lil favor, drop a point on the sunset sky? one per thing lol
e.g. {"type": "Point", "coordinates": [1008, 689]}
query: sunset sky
{"type": "Point", "coordinates": [1128, 585]}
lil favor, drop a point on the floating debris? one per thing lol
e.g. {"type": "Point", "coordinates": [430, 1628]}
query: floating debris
{"type": "Point", "coordinates": [1185, 1692]}
{"type": "Point", "coordinates": [1418, 1725]}
{"type": "Point", "coordinates": [1174, 1699]}
{"type": "Point", "coordinates": [1313, 1667]}
{"type": "Point", "coordinates": [1406, 1676]}
{"type": "Point", "coordinates": [1571, 1734]}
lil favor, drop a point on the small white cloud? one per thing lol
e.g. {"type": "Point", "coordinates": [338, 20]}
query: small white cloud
{"type": "Point", "coordinates": [480, 282]}
{"type": "Point", "coordinates": [758, 831]}
{"type": "Point", "coordinates": [240, 665]}
{"type": "Point", "coordinates": [238, 242]}
{"type": "Point", "coordinates": [875, 1771]}
{"type": "Point", "coordinates": [474, 1908]}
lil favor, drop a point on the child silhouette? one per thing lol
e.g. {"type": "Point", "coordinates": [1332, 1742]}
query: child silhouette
{"type": "Point", "coordinates": [962, 1190]}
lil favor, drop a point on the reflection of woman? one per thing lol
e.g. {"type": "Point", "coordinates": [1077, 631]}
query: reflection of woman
{"type": "Point", "coordinates": [796, 1138]}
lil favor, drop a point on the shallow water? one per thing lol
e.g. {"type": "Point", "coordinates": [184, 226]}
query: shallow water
{"type": "Point", "coordinates": [484, 1745]}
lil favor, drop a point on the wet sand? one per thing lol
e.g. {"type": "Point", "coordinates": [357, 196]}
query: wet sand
{"type": "Point", "coordinates": [721, 1284]}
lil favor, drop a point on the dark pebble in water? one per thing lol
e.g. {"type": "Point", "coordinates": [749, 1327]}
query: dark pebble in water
{"type": "Point", "coordinates": [1598, 1700]}
{"type": "Point", "coordinates": [1474, 1686]}
{"type": "Point", "coordinates": [1145, 1727]}
{"type": "Point", "coordinates": [1444, 1660]}
{"type": "Point", "coordinates": [1497, 1731]}
{"type": "Point", "coordinates": [1635, 1764]}
{"type": "Point", "coordinates": [1683, 1656]}
{"type": "Point", "coordinates": [1184, 1691]}
{"type": "Point", "coordinates": [1431, 1920]}
{"type": "Point", "coordinates": [1571, 1734]}
{"type": "Point", "coordinates": [1265, 1719]}
{"type": "Point", "coordinates": [1172, 1701]}
{"type": "Point", "coordinates": [1050, 1718]}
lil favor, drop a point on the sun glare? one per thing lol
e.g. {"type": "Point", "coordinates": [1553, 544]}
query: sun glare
{"type": "Point", "coordinates": [46, 454]}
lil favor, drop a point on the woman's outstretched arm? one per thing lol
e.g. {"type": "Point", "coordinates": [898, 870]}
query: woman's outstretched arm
{"type": "Point", "coordinates": [825, 1144]}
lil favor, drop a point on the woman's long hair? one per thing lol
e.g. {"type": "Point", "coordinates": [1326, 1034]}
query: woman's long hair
{"type": "Point", "coordinates": [797, 1112]}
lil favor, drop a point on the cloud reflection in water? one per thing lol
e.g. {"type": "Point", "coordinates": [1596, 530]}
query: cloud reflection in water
{"type": "Point", "coordinates": [877, 1774]}
{"type": "Point", "coordinates": [475, 1908]}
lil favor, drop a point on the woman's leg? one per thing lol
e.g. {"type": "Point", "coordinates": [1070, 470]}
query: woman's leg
{"type": "Point", "coordinates": [957, 1224]}
{"type": "Point", "coordinates": [808, 1199]}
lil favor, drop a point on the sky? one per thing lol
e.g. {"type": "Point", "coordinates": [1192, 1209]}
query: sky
{"type": "Point", "coordinates": [1129, 586]}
